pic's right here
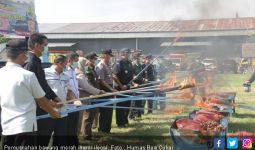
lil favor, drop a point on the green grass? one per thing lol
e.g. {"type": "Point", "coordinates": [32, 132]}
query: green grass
{"type": "Point", "coordinates": [242, 120]}
{"type": "Point", "coordinates": [153, 129]}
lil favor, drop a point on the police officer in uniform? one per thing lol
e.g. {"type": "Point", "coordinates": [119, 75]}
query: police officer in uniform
{"type": "Point", "coordinates": [122, 76]}
{"type": "Point", "coordinates": [104, 73]}
{"type": "Point", "coordinates": [149, 75]}
{"type": "Point", "coordinates": [90, 114]}
{"type": "Point", "coordinates": [137, 68]}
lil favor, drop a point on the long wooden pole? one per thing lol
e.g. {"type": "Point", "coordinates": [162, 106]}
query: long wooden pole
{"type": "Point", "coordinates": [127, 91]}
{"type": "Point", "coordinates": [104, 95]}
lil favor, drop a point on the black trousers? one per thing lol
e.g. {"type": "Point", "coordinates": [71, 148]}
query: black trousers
{"type": "Point", "coordinates": [19, 140]}
{"type": "Point", "coordinates": [136, 112]}
{"type": "Point", "coordinates": [60, 132]}
{"type": "Point", "coordinates": [45, 129]}
{"type": "Point", "coordinates": [58, 126]}
{"type": "Point", "coordinates": [105, 116]}
{"type": "Point", "coordinates": [122, 113]}
{"type": "Point", "coordinates": [138, 104]}
{"type": "Point", "coordinates": [150, 105]}
{"type": "Point", "coordinates": [72, 129]}
{"type": "Point", "coordinates": [105, 119]}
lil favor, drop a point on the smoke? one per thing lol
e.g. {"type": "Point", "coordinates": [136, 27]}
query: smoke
{"type": "Point", "coordinates": [213, 9]}
{"type": "Point", "coordinates": [139, 10]}
{"type": "Point", "coordinates": [208, 9]}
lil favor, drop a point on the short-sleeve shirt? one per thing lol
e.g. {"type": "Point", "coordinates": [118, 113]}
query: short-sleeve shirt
{"type": "Point", "coordinates": [18, 90]}
{"type": "Point", "coordinates": [59, 83]}
{"type": "Point", "coordinates": [104, 72]}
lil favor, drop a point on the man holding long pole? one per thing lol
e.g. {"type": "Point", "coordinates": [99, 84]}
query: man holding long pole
{"type": "Point", "coordinates": [104, 73]}
{"type": "Point", "coordinates": [149, 75]}
{"type": "Point", "coordinates": [37, 44]}
{"type": "Point", "coordinates": [122, 75]}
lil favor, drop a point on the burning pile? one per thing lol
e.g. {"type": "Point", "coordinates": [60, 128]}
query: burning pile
{"type": "Point", "coordinates": [214, 101]}
{"type": "Point", "coordinates": [174, 110]}
{"type": "Point", "coordinates": [211, 128]}
{"type": "Point", "coordinates": [206, 124]}
{"type": "Point", "coordinates": [187, 124]}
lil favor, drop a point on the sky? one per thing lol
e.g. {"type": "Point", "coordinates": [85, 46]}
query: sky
{"type": "Point", "coordinates": [83, 11]}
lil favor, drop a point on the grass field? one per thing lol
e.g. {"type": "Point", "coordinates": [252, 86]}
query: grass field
{"type": "Point", "coordinates": [153, 129]}
{"type": "Point", "coordinates": [242, 120]}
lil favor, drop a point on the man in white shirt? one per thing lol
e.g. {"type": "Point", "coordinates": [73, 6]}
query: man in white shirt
{"type": "Point", "coordinates": [73, 118]}
{"type": "Point", "coordinates": [19, 93]}
{"type": "Point", "coordinates": [59, 82]}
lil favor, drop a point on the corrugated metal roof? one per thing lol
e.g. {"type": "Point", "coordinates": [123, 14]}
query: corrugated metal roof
{"type": "Point", "coordinates": [119, 35]}
{"type": "Point", "coordinates": [152, 26]}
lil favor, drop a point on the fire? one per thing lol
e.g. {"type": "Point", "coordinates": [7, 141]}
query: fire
{"type": "Point", "coordinates": [170, 83]}
{"type": "Point", "coordinates": [187, 83]}
{"type": "Point", "coordinates": [208, 102]}
{"type": "Point", "coordinates": [215, 100]}
{"type": "Point", "coordinates": [174, 110]}
{"type": "Point", "coordinates": [203, 104]}
{"type": "Point", "coordinates": [186, 94]}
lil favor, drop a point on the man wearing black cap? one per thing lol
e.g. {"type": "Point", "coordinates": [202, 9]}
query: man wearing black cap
{"type": "Point", "coordinates": [137, 67]}
{"type": "Point", "coordinates": [37, 44]}
{"type": "Point", "coordinates": [122, 76]}
{"type": "Point", "coordinates": [149, 75]}
{"type": "Point", "coordinates": [104, 73]}
{"type": "Point", "coordinates": [89, 115]}
{"type": "Point", "coordinates": [19, 93]}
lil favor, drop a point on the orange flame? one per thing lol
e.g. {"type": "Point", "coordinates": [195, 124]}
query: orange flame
{"type": "Point", "coordinates": [169, 83]}
{"type": "Point", "coordinates": [186, 94]}
{"type": "Point", "coordinates": [174, 110]}
{"type": "Point", "coordinates": [203, 104]}
{"type": "Point", "coordinates": [188, 82]}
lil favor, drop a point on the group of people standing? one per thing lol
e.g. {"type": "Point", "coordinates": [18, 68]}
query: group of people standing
{"type": "Point", "coordinates": [27, 90]}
